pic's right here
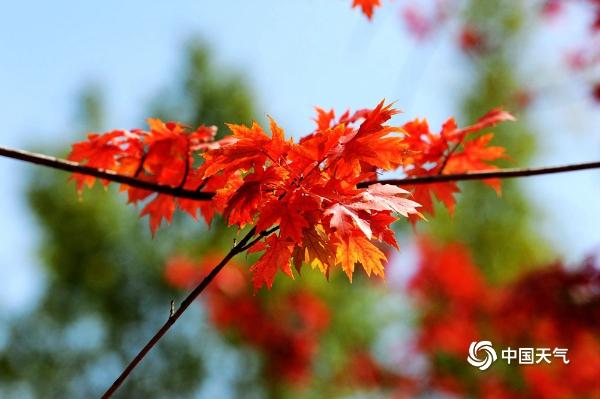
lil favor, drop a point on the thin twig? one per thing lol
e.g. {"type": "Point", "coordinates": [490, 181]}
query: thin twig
{"type": "Point", "coordinates": [241, 246]}
{"type": "Point", "coordinates": [262, 235]}
{"type": "Point", "coordinates": [74, 167]}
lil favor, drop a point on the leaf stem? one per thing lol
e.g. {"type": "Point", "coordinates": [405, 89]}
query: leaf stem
{"type": "Point", "coordinates": [447, 156]}
{"type": "Point", "coordinates": [187, 167]}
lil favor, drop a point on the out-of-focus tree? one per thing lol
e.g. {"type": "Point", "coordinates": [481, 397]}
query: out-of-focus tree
{"type": "Point", "coordinates": [551, 310]}
{"type": "Point", "coordinates": [105, 289]}
{"type": "Point", "coordinates": [496, 297]}
{"type": "Point", "coordinates": [500, 232]}
{"type": "Point", "coordinates": [200, 98]}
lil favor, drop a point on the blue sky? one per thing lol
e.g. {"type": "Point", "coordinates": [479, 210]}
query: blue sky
{"type": "Point", "coordinates": [295, 55]}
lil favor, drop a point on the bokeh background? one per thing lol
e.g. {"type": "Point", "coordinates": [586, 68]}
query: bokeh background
{"type": "Point", "coordinates": [83, 285]}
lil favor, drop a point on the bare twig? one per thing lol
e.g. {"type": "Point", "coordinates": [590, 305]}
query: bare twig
{"type": "Point", "coordinates": [69, 166]}
{"type": "Point", "coordinates": [262, 235]}
{"type": "Point", "coordinates": [240, 247]}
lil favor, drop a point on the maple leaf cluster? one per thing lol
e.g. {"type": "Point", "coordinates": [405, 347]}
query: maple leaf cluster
{"type": "Point", "coordinates": [164, 154]}
{"type": "Point", "coordinates": [286, 328]}
{"type": "Point", "coordinates": [314, 192]}
{"type": "Point", "coordinates": [309, 189]}
{"type": "Point", "coordinates": [452, 150]}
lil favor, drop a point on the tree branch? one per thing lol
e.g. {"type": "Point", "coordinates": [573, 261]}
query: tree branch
{"type": "Point", "coordinates": [262, 235]}
{"type": "Point", "coordinates": [507, 173]}
{"type": "Point", "coordinates": [69, 166]}
{"type": "Point", "coordinates": [241, 246]}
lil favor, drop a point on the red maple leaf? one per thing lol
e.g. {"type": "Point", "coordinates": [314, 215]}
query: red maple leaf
{"type": "Point", "coordinates": [366, 6]}
{"type": "Point", "coordinates": [277, 257]}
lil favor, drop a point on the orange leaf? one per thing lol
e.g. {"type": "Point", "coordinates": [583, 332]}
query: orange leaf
{"type": "Point", "coordinates": [317, 251]}
{"type": "Point", "coordinates": [354, 249]}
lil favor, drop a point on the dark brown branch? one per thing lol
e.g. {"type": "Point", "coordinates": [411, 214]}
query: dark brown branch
{"type": "Point", "coordinates": [262, 235]}
{"type": "Point", "coordinates": [69, 166]}
{"type": "Point", "coordinates": [74, 167]}
{"type": "Point", "coordinates": [507, 173]}
{"type": "Point", "coordinates": [238, 248]}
